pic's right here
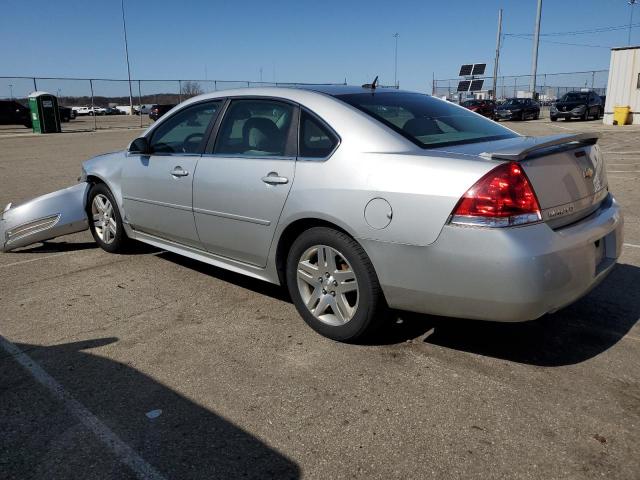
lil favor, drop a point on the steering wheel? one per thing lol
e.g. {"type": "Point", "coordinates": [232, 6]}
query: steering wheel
{"type": "Point", "coordinates": [190, 139]}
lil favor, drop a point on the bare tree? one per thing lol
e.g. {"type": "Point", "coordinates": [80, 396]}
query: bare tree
{"type": "Point", "coordinates": [191, 89]}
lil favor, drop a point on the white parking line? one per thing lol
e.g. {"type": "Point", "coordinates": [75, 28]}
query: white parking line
{"type": "Point", "coordinates": [123, 451]}
{"type": "Point", "coordinates": [34, 259]}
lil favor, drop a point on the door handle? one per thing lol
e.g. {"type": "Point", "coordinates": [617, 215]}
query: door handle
{"type": "Point", "coordinates": [179, 172]}
{"type": "Point", "coordinates": [273, 179]}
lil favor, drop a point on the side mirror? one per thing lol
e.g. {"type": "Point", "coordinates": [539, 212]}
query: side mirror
{"type": "Point", "coordinates": [139, 145]}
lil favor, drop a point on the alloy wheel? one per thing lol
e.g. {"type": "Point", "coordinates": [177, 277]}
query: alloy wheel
{"type": "Point", "coordinates": [328, 285]}
{"type": "Point", "coordinates": [103, 218]}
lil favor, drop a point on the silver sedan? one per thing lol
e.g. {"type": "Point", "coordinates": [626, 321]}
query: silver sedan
{"type": "Point", "coordinates": [356, 199]}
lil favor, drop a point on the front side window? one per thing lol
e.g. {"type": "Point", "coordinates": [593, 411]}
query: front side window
{"type": "Point", "coordinates": [255, 128]}
{"type": "Point", "coordinates": [184, 131]}
{"type": "Point", "coordinates": [427, 121]}
{"type": "Point", "coordinates": [316, 139]}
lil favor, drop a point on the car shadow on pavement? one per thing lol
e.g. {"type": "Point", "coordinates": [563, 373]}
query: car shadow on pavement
{"type": "Point", "coordinates": [176, 436]}
{"type": "Point", "coordinates": [575, 334]}
{"type": "Point", "coordinates": [57, 247]}
{"type": "Point", "coordinates": [253, 284]}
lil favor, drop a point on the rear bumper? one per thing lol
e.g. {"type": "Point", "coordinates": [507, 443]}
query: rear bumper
{"type": "Point", "coordinates": [511, 274]}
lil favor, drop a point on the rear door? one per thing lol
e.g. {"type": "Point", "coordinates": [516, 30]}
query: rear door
{"type": "Point", "coordinates": [243, 181]}
{"type": "Point", "coordinates": [157, 188]}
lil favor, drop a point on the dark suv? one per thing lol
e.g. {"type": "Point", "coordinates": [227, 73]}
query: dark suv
{"type": "Point", "coordinates": [159, 110]}
{"type": "Point", "coordinates": [486, 108]}
{"type": "Point", "coordinates": [518, 109]}
{"type": "Point", "coordinates": [577, 105]}
{"type": "Point", "coordinates": [14, 113]}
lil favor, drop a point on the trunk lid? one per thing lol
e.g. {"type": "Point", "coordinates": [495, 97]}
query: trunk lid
{"type": "Point", "coordinates": [567, 172]}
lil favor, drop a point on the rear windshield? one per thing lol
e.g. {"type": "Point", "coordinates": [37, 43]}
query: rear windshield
{"type": "Point", "coordinates": [427, 121]}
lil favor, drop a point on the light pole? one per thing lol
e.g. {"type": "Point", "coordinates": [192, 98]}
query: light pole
{"type": "Point", "coordinates": [126, 53]}
{"type": "Point", "coordinates": [395, 71]}
{"type": "Point", "coordinates": [11, 92]}
{"type": "Point", "coordinates": [631, 3]}
{"type": "Point", "coordinates": [536, 43]}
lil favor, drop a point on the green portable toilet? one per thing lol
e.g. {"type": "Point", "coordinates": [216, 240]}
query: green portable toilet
{"type": "Point", "coordinates": [44, 113]}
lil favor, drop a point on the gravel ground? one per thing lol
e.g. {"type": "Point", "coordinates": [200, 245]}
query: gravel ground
{"type": "Point", "coordinates": [199, 373]}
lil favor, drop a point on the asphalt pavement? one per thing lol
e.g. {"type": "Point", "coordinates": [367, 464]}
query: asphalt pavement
{"type": "Point", "coordinates": [150, 365]}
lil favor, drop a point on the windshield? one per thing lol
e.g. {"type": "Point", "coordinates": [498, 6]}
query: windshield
{"type": "Point", "coordinates": [514, 101]}
{"type": "Point", "coordinates": [426, 121]}
{"type": "Point", "coordinates": [574, 97]}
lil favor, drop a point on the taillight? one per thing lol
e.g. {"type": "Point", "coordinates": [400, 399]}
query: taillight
{"type": "Point", "coordinates": [502, 198]}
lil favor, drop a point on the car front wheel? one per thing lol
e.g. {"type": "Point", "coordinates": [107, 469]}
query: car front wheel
{"type": "Point", "coordinates": [333, 285]}
{"type": "Point", "coordinates": [105, 221]}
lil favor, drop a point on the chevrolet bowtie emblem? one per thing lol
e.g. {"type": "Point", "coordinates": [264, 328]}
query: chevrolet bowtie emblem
{"type": "Point", "coordinates": [588, 173]}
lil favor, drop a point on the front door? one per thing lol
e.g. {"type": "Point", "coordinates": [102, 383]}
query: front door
{"type": "Point", "coordinates": [157, 188]}
{"type": "Point", "coordinates": [240, 188]}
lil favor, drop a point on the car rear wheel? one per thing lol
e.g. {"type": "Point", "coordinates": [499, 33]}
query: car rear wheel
{"type": "Point", "coordinates": [554, 119]}
{"type": "Point", "coordinates": [333, 285]}
{"type": "Point", "coordinates": [105, 221]}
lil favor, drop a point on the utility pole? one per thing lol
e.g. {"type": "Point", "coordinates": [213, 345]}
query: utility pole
{"type": "Point", "coordinates": [395, 72]}
{"type": "Point", "coordinates": [631, 3]}
{"type": "Point", "coordinates": [11, 91]}
{"type": "Point", "coordinates": [497, 59]}
{"type": "Point", "coordinates": [536, 42]}
{"type": "Point", "coordinates": [126, 53]}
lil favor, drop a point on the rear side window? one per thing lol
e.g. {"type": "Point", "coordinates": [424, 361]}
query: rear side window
{"type": "Point", "coordinates": [255, 128]}
{"type": "Point", "coordinates": [427, 121]}
{"type": "Point", "coordinates": [316, 139]}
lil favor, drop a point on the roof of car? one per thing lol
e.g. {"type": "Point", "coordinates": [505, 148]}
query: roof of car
{"type": "Point", "coordinates": [335, 90]}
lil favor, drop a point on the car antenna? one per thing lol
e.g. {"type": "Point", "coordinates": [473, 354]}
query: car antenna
{"type": "Point", "coordinates": [371, 85]}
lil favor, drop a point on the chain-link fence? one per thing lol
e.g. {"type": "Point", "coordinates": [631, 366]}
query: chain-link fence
{"type": "Point", "coordinates": [108, 103]}
{"type": "Point", "coordinates": [549, 86]}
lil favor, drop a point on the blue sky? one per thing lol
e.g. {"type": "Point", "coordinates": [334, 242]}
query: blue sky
{"type": "Point", "coordinates": [298, 40]}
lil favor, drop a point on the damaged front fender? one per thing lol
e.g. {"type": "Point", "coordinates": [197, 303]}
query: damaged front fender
{"type": "Point", "coordinates": [49, 216]}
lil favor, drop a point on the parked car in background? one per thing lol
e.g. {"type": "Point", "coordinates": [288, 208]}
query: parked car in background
{"type": "Point", "coordinates": [66, 114]}
{"type": "Point", "coordinates": [486, 108]}
{"type": "Point", "coordinates": [603, 100]}
{"type": "Point", "coordinates": [580, 105]}
{"type": "Point", "coordinates": [14, 113]}
{"type": "Point", "coordinates": [518, 109]}
{"type": "Point", "coordinates": [144, 109]}
{"type": "Point", "coordinates": [111, 111]}
{"type": "Point", "coordinates": [124, 109]}
{"type": "Point", "coordinates": [82, 111]}
{"type": "Point", "coordinates": [159, 110]}
{"type": "Point", "coordinates": [356, 200]}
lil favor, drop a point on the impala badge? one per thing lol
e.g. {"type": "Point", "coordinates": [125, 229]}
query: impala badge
{"type": "Point", "coordinates": [588, 173]}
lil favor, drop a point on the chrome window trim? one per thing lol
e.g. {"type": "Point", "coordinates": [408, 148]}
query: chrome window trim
{"type": "Point", "coordinates": [248, 157]}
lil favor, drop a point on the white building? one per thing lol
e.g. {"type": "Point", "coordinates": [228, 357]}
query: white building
{"type": "Point", "coordinates": [623, 87]}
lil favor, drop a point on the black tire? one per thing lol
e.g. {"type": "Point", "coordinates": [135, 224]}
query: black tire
{"type": "Point", "coordinates": [585, 116]}
{"type": "Point", "coordinates": [369, 314]}
{"type": "Point", "coordinates": [554, 119]}
{"type": "Point", "coordinates": [536, 116]}
{"type": "Point", "coordinates": [120, 241]}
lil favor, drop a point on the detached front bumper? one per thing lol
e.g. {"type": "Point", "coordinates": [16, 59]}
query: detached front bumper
{"type": "Point", "coordinates": [52, 215]}
{"type": "Point", "coordinates": [502, 274]}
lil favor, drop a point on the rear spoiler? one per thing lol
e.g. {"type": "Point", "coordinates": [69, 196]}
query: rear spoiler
{"type": "Point", "coordinates": [530, 145]}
